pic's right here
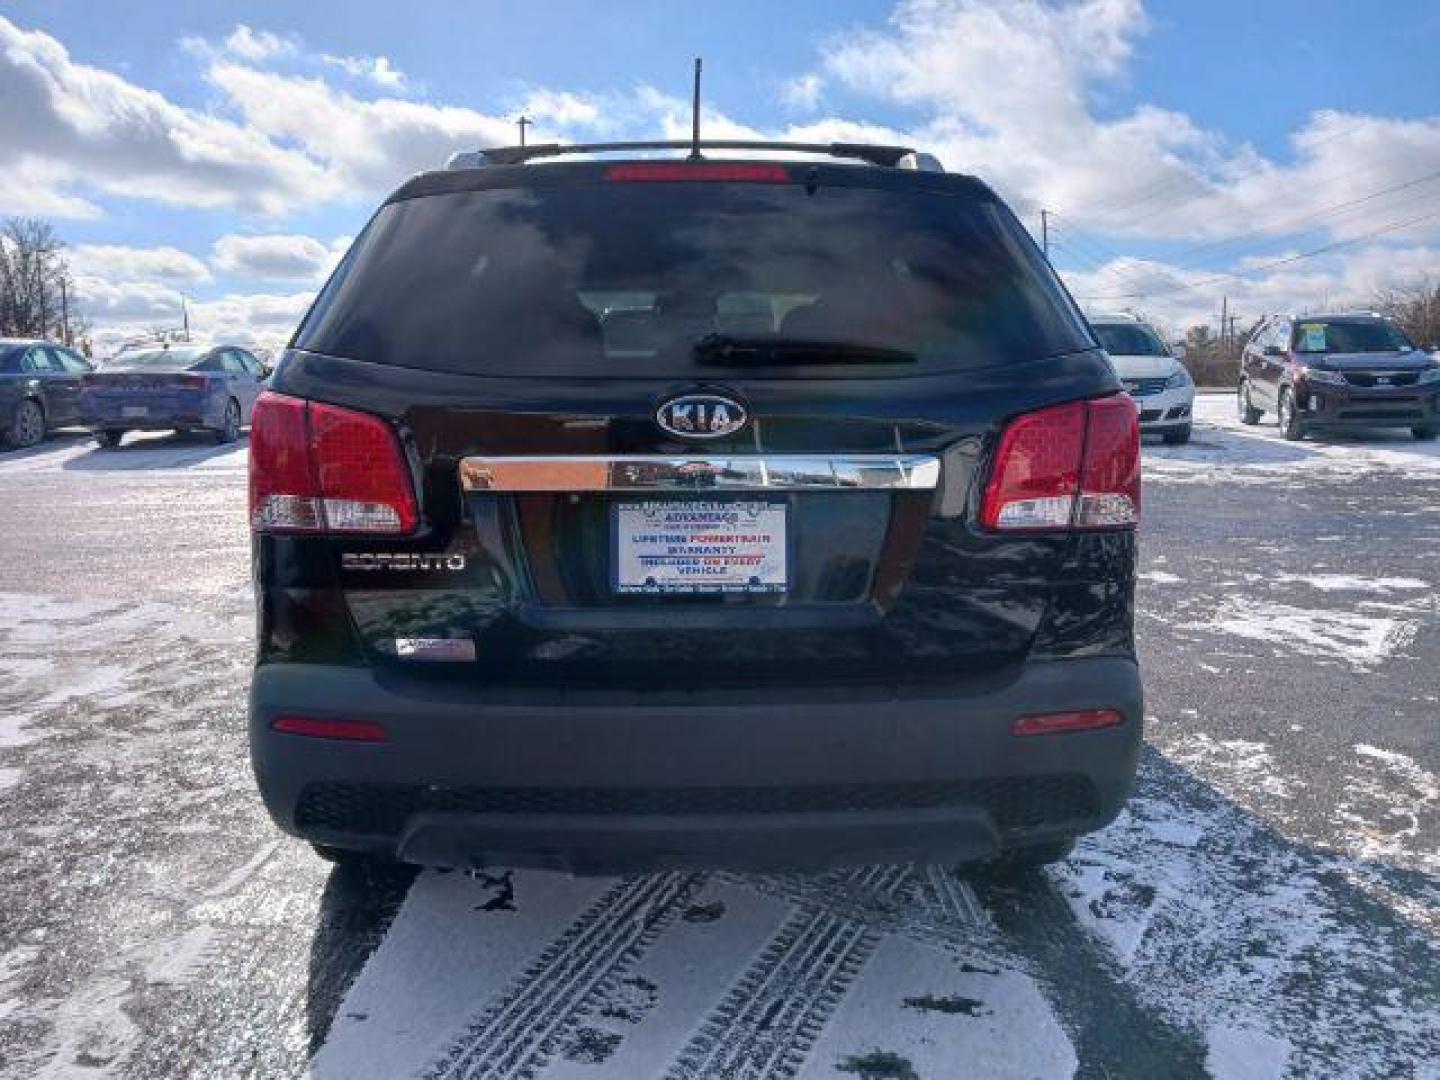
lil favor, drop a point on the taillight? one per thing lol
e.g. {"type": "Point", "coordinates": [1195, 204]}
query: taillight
{"type": "Point", "coordinates": [318, 728]}
{"type": "Point", "coordinates": [1110, 480]}
{"type": "Point", "coordinates": [1074, 466]}
{"type": "Point", "coordinates": [715, 171]}
{"type": "Point", "coordinates": [194, 382]}
{"type": "Point", "coordinates": [1062, 722]}
{"type": "Point", "coordinates": [321, 468]}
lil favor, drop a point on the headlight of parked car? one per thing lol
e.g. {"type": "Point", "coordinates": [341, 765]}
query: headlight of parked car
{"type": "Point", "coordinates": [1321, 375]}
{"type": "Point", "coordinates": [1179, 377]}
{"type": "Point", "coordinates": [1430, 374]}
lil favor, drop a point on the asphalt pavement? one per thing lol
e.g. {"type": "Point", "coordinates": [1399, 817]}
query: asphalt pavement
{"type": "Point", "coordinates": [1267, 906]}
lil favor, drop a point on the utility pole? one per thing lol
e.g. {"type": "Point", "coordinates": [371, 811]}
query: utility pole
{"type": "Point", "coordinates": [1045, 233]}
{"type": "Point", "coordinates": [185, 316]}
{"type": "Point", "coordinates": [64, 312]}
{"type": "Point", "coordinates": [1224, 344]}
{"type": "Point", "coordinates": [523, 123]}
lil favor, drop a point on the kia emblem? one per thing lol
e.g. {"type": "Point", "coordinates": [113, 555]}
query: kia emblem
{"type": "Point", "coordinates": [701, 416]}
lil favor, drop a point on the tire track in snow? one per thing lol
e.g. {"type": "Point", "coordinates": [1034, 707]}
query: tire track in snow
{"type": "Point", "coordinates": [522, 1030]}
{"type": "Point", "coordinates": [933, 907]}
{"type": "Point", "coordinates": [767, 1023]}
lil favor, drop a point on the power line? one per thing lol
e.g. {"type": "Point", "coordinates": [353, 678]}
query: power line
{"type": "Point", "coordinates": [1392, 227]}
{"type": "Point", "coordinates": [1071, 229]}
{"type": "Point", "coordinates": [1159, 186]}
{"type": "Point", "coordinates": [1062, 244]}
{"type": "Point", "coordinates": [1289, 225]}
{"type": "Point", "coordinates": [1245, 248]}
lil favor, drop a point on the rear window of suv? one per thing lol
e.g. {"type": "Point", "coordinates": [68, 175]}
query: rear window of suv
{"type": "Point", "coordinates": [663, 279]}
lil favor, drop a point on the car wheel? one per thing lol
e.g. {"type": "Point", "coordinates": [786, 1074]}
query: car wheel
{"type": "Point", "coordinates": [1291, 426]}
{"type": "Point", "coordinates": [231, 431]}
{"type": "Point", "coordinates": [1424, 434]}
{"type": "Point", "coordinates": [1248, 413]}
{"type": "Point", "coordinates": [109, 439]}
{"type": "Point", "coordinates": [28, 427]}
{"type": "Point", "coordinates": [1177, 436]}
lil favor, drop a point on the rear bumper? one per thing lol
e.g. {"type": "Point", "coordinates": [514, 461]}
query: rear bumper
{"type": "Point", "coordinates": [601, 785]}
{"type": "Point", "coordinates": [109, 415]}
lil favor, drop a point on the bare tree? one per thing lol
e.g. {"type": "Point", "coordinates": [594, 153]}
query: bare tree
{"type": "Point", "coordinates": [36, 290]}
{"type": "Point", "coordinates": [1415, 305]}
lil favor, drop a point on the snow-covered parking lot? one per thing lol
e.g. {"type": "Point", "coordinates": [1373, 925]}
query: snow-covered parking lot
{"type": "Point", "coordinates": [1268, 906]}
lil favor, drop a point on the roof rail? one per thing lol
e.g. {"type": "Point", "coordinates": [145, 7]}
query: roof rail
{"type": "Point", "coordinates": [889, 156]}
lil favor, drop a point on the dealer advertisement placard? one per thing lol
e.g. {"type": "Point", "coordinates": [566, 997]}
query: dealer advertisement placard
{"type": "Point", "coordinates": [673, 546]}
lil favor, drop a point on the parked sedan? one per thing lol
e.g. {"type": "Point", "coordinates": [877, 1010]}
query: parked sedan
{"type": "Point", "coordinates": [1151, 372]}
{"type": "Point", "coordinates": [39, 389]}
{"type": "Point", "coordinates": [179, 387]}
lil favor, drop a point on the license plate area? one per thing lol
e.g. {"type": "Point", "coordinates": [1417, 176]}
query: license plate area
{"type": "Point", "coordinates": [698, 547]}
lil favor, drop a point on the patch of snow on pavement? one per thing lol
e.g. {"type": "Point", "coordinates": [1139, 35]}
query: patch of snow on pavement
{"type": "Point", "coordinates": [1224, 450]}
{"type": "Point", "coordinates": [915, 1007]}
{"type": "Point", "coordinates": [1160, 577]}
{"type": "Point", "coordinates": [690, 975]}
{"type": "Point", "coordinates": [1380, 813]}
{"type": "Point", "coordinates": [1233, 764]}
{"type": "Point", "coordinates": [1362, 641]}
{"type": "Point", "coordinates": [178, 960]}
{"type": "Point", "coordinates": [1242, 1053]}
{"type": "Point", "coordinates": [1350, 583]}
{"type": "Point", "coordinates": [1259, 942]}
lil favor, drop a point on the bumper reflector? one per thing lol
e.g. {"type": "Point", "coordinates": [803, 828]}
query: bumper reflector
{"type": "Point", "coordinates": [1061, 722]}
{"type": "Point", "coordinates": [317, 728]}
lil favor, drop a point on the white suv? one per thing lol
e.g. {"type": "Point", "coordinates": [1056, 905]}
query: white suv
{"type": "Point", "coordinates": [1151, 372]}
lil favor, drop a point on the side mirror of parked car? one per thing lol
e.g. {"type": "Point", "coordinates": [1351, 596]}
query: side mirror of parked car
{"type": "Point", "coordinates": [1178, 350]}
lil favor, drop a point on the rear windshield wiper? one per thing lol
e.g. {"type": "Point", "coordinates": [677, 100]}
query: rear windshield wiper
{"type": "Point", "coordinates": [745, 350]}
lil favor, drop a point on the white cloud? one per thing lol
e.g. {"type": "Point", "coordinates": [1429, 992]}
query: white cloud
{"type": "Point", "coordinates": [264, 48]}
{"type": "Point", "coordinates": [559, 108]}
{"type": "Point", "coordinates": [89, 129]}
{"type": "Point", "coordinates": [258, 45]}
{"type": "Point", "coordinates": [272, 257]}
{"type": "Point", "coordinates": [132, 304]}
{"type": "Point", "coordinates": [119, 263]}
{"type": "Point", "coordinates": [375, 69]}
{"type": "Point", "coordinates": [369, 144]}
{"type": "Point", "coordinates": [803, 92]}
{"type": "Point", "coordinates": [259, 319]}
{"type": "Point", "coordinates": [131, 312]}
{"type": "Point", "coordinates": [30, 186]}
{"type": "Point", "coordinates": [1006, 90]}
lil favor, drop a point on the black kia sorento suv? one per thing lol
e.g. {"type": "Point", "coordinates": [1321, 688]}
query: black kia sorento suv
{"type": "Point", "coordinates": [614, 515]}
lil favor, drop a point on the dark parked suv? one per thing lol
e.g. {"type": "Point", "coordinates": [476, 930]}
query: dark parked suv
{"type": "Point", "coordinates": [1338, 371]}
{"type": "Point", "coordinates": [629, 514]}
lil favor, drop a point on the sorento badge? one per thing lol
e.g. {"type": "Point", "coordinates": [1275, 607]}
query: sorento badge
{"type": "Point", "coordinates": [701, 416]}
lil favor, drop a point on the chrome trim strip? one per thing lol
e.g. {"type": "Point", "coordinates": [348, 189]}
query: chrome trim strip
{"type": "Point", "coordinates": [702, 472]}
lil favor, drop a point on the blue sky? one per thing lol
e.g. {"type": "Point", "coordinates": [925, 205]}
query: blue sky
{"type": "Point", "coordinates": [228, 151]}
